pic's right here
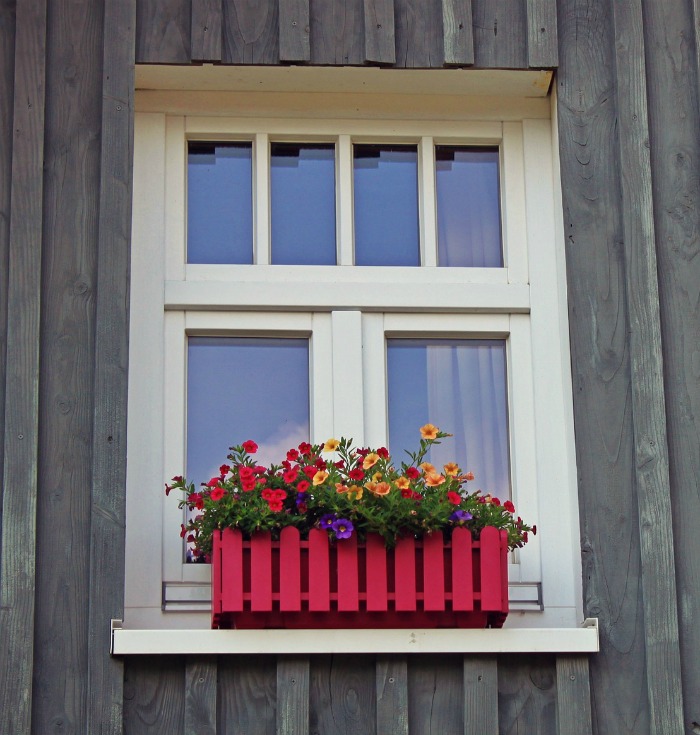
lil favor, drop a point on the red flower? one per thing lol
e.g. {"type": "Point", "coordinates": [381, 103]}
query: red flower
{"type": "Point", "coordinates": [340, 464]}
{"type": "Point", "coordinates": [310, 471]}
{"type": "Point", "coordinates": [191, 539]}
{"type": "Point", "coordinates": [248, 485]}
{"type": "Point", "coordinates": [250, 446]}
{"type": "Point", "coordinates": [303, 486]}
{"type": "Point", "coordinates": [302, 507]}
{"type": "Point", "coordinates": [321, 464]}
{"type": "Point", "coordinates": [275, 505]}
{"type": "Point", "coordinates": [217, 493]}
{"type": "Point", "coordinates": [534, 530]}
{"type": "Point", "coordinates": [245, 472]}
{"type": "Point", "coordinates": [356, 474]}
{"type": "Point", "coordinates": [168, 488]}
{"type": "Point", "coordinates": [214, 481]}
{"type": "Point", "coordinates": [196, 500]}
{"type": "Point", "coordinates": [292, 455]}
{"type": "Point", "coordinates": [454, 498]}
{"type": "Point", "coordinates": [407, 493]}
{"type": "Point", "coordinates": [509, 506]}
{"type": "Point", "coordinates": [183, 530]}
{"type": "Point", "coordinates": [267, 493]}
{"type": "Point", "coordinates": [495, 501]}
{"type": "Point", "coordinates": [259, 469]}
{"type": "Point", "coordinates": [224, 469]}
{"type": "Point", "coordinates": [291, 475]}
{"type": "Point", "coordinates": [412, 473]}
{"type": "Point", "coordinates": [305, 448]}
{"type": "Point", "coordinates": [383, 452]}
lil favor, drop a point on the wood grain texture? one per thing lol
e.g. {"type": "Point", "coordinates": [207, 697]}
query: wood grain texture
{"type": "Point", "coordinates": [154, 695]}
{"type": "Point", "coordinates": [480, 695]}
{"type": "Point", "coordinates": [251, 32]}
{"type": "Point", "coordinates": [163, 31]}
{"type": "Point", "coordinates": [392, 695]}
{"type": "Point", "coordinates": [598, 320]}
{"type": "Point", "coordinates": [206, 30]}
{"type": "Point", "coordinates": [573, 696]}
{"type": "Point", "coordinates": [72, 174]}
{"type": "Point", "coordinates": [342, 695]}
{"type": "Point", "coordinates": [293, 676]}
{"type": "Point", "coordinates": [542, 50]}
{"type": "Point", "coordinates": [672, 90]}
{"type": "Point", "coordinates": [247, 698]}
{"type": "Point", "coordinates": [500, 33]}
{"type": "Point", "coordinates": [108, 500]}
{"type": "Point", "coordinates": [7, 78]}
{"type": "Point", "coordinates": [294, 30]}
{"type": "Point", "coordinates": [457, 32]}
{"type": "Point", "coordinates": [646, 359]}
{"type": "Point", "coordinates": [527, 695]}
{"type": "Point", "coordinates": [337, 32]}
{"type": "Point", "coordinates": [380, 36]}
{"type": "Point", "coordinates": [435, 694]}
{"type": "Point", "coordinates": [21, 439]}
{"type": "Point", "coordinates": [200, 695]}
{"type": "Point", "coordinates": [419, 39]}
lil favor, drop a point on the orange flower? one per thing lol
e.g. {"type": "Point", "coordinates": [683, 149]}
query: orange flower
{"type": "Point", "coordinates": [432, 479]}
{"type": "Point", "coordinates": [320, 477]}
{"type": "Point", "coordinates": [370, 460]}
{"type": "Point", "coordinates": [427, 468]}
{"type": "Point", "coordinates": [429, 431]}
{"type": "Point", "coordinates": [451, 469]}
{"type": "Point", "coordinates": [331, 445]}
{"type": "Point", "coordinates": [341, 488]}
{"type": "Point", "coordinates": [403, 483]}
{"type": "Point", "coordinates": [376, 477]}
{"type": "Point", "coordinates": [379, 488]}
{"type": "Point", "coordinates": [355, 492]}
{"type": "Point", "coordinates": [469, 476]}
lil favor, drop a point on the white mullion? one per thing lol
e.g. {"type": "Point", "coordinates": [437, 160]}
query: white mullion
{"type": "Point", "coordinates": [321, 378]}
{"type": "Point", "coordinates": [375, 382]}
{"type": "Point", "coordinates": [261, 248]}
{"type": "Point", "coordinates": [344, 199]}
{"type": "Point", "coordinates": [347, 375]}
{"type": "Point", "coordinates": [513, 203]}
{"type": "Point", "coordinates": [175, 198]}
{"type": "Point", "coordinates": [427, 201]}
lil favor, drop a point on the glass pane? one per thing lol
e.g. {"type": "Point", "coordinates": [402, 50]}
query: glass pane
{"type": "Point", "coordinates": [460, 386]}
{"type": "Point", "coordinates": [219, 203]}
{"type": "Point", "coordinates": [468, 207]}
{"type": "Point", "coordinates": [302, 191]}
{"type": "Point", "coordinates": [386, 205]}
{"type": "Point", "coordinates": [241, 388]}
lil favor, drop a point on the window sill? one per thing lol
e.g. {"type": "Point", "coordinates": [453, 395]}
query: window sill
{"type": "Point", "coordinates": [504, 640]}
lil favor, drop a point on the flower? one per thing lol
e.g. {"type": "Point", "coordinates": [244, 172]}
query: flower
{"type": "Point", "coordinates": [454, 498]}
{"type": "Point", "coordinates": [327, 520]}
{"type": "Point", "coordinates": [290, 476]}
{"type": "Point", "coordinates": [340, 488]}
{"type": "Point", "coordinates": [378, 488]}
{"type": "Point", "coordinates": [355, 492]}
{"type": "Point", "coordinates": [383, 452]}
{"type": "Point", "coordinates": [342, 528]}
{"type": "Point", "coordinates": [433, 480]}
{"type": "Point", "coordinates": [217, 493]}
{"type": "Point", "coordinates": [412, 473]}
{"type": "Point", "coordinates": [320, 477]}
{"type": "Point", "coordinates": [429, 431]}
{"type": "Point", "coordinates": [370, 460]}
{"type": "Point", "coordinates": [451, 469]}
{"type": "Point", "coordinates": [427, 468]}
{"type": "Point", "coordinates": [356, 474]}
{"type": "Point", "coordinates": [331, 445]}
{"type": "Point", "coordinates": [403, 483]}
{"type": "Point", "coordinates": [461, 516]}
{"type": "Point", "coordinates": [509, 506]}
{"type": "Point", "coordinates": [303, 486]}
{"type": "Point", "coordinates": [250, 446]}
{"type": "Point", "coordinates": [292, 455]}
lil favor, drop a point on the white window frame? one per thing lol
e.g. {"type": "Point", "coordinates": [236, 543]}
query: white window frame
{"type": "Point", "coordinates": [347, 317]}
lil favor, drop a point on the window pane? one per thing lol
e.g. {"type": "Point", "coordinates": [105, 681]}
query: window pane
{"type": "Point", "coordinates": [468, 207]}
{"type": "Point", "coordinates": [386, 205]}
{"type": "Point", "coordinates": [241, 388]}
{"type": "Point", "coordinates": [460, 386]}
{"type": "Point", "coordinates": [302, 184]}
{"type": "Point", "coordinates": [219, 203]}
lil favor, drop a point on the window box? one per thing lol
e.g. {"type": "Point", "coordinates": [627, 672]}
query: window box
{"type": "Point", "coordinates": [425, 583]}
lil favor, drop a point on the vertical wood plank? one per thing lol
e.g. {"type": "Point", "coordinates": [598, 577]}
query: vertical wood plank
{"type": "Point", "coordinates": [457, 33]}
{"type": "Point", "coordinates": [20, 448]}
{"type": "Point", "coordinates": [246, 696]}
{"type": "Point", "coordinates": [500, 34]}
{"type": "Point", "coordinates": [319, 579]}
{"type": "Point", "coordinates": [348, 591]}
{"type": "Point", "coordinates": [379, 32]}
{"type": "Point", "coordinates": [261, 572]}
{"type": "Point", "coordinates": [405, 574]}
{"type": "Point", "coordinates": [419, 34]}
{"type": "Point", "coordinates": [433, 572]}
{"type": "Point", "coordinates": [462, 571]}
{"type": "Point", "coordinates": [206, 30]}
{"type": "Point", "coordinates": [294, 30]}
{"type": "Point", "coordinates": [646, 359]}
{"type": "Point", "coordinates": [573, 696]}
{"type": "Point", "coordinates": [290, 569]}
{"type": "Point", "coordinates": [337, 32]}
{"type": "Point", "coordinates": [376, 575]}
{"type": "Point", "coordinates": [480, 695]}
{"type": "Point", "coordinates": [392, 695]}
{"type": "Point", "coordinates": [542, 50]}
{"type": "Point", "coordinates": [163, 31]}
{"type": "Point", "coordinates": [105, 677]}
{"type": "Point", "coordinates": [293, 679]}
{"type": "Point", "coordinates": [251, 32]}
{"type": "Point", "coordinates": [154, 695]}
{"type": "Point", "coordinates": [435, 694]}
{"type": "Point", "coordinates": [200, 695]}
{"type": "Point", "coordinates": [527, 694]}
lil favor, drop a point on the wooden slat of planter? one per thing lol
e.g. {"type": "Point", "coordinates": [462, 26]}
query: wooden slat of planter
{"type": "Point", "coordinates": [319, 583]}
{"type": "Point", "coordinates": [405, 574]}
{"type": "Point", "coordinates": [462, 573]}
{"type": "Point", "coordinates": [490, 569]}
{"type": "Point", "coordinates": [433, 572]}
{"type": "Point", "coordinates": [348, 594]}
{"type": "Point", "coordinates": [216, 588]}
{"type": "Point", "coordinates": [261, 572]}
{"type": "Point", "coordinates": [232, 570]}
{"type": "Point", "coordinates": [504, 570]}
{"type": "Point", "coordinates": [290, 570]}
{"type": "Point", "coordinates": [377, 597]}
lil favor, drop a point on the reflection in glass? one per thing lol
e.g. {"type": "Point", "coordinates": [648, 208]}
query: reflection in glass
{"type": "Point", "coordinates": [219, 203]}
{"type": "Point", "coordinates": [460, 386]}
{"type": "Point", "coordinates": [468, 207]}
{"type": "Point", "coordinates": [386, 205]}
{"type": "Point", "coordinates": [241, 388]}
{"type": "Point", "coordinates": [302, 193]}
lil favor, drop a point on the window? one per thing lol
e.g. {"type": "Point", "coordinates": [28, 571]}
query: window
{"type": "Point", "coordinates": [318, 276]}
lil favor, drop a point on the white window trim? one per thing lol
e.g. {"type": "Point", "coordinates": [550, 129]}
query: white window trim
{"type": "Point", "coordinates": [524, 302]}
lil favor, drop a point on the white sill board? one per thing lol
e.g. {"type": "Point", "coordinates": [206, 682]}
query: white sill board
{"type": "Point", "coordinates": [531, 640]}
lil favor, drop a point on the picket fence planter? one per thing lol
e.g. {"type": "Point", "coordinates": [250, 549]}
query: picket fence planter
{"type": "Point", "coordinates": [426, 583]}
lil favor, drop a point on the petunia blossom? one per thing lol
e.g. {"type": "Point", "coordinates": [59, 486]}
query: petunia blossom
{"type": "Point", "coordinates": [331, 445]}
{"type": "Point", "coordinates": [460, 516]}
{"type": "Point", "coordinates": [451, 469]}
{"type": "Point", "coordinates": [429, 431]}
{"type": "Point", "coordinates": [508, 505]}
{"type": "Point", "coordinates": [370, 460]}
{"type": "Point", "coordinates": [454, 498]}
{"type": "Point", "coordinates": [326, 521]}
{"type": "Point", "coordinates": [320, 477]}
{"type": "Point", "coordinates": [217, 493]}
{"type": "Point", "coordinates": [402, 483]}
{"type": "Point", "coordinates": [432, 479]}
{"type": "Point", "coordinates": [342, 528]}
{"type": "Point", "coordinates": [250, 446]}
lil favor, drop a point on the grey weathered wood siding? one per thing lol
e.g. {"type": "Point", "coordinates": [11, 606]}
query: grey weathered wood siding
{"type": "Point", "coordinates": [628, 108]}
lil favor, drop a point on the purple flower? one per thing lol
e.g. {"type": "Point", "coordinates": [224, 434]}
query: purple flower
{"type": "Point", "coordinates": [460, 516]}
{"type": "Point", "coordinates": [326, 522]}
{"type": "Point", "coordinates": [343, 528]}
{"type": "Point", "coordinates": [301, 498]}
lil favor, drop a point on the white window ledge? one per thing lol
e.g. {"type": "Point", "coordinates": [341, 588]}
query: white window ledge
{"type": "Point", "coordinates": [506, 640]}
